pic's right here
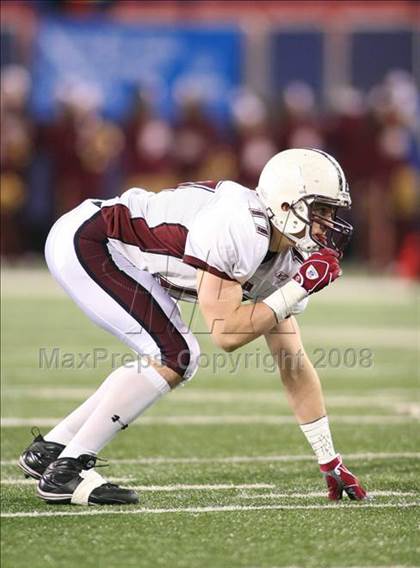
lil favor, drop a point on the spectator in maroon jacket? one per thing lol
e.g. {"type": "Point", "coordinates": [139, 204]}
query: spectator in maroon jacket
{"type": "Point", "coordinates": [299, 125]}
{"type": "Point", "coordinates": [394, 192]}
{"type": "Point", "coordinates": [195, 136]}
{"type": "Point", "coordinates": [350, 134]}
{"type": "Point", "coordinates": [147, 159]}
{"type": "Point", "coordinates": [253, 139]}
{"type": "Point", "coordinates": [82, 146]}
{"type": "Point", "coordinates": [16, 154]}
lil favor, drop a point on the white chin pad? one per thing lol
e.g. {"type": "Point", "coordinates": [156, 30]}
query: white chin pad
{"type": "Point", "coordinates": [306, 244]}
{"type": "Point", "coordinates": [91, 480]}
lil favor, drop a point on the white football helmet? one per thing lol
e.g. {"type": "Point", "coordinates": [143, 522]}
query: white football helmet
{"type": "Point", "coordinates": [291, 186]}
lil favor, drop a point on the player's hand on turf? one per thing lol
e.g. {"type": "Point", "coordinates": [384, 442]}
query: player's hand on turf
{"type": "Point", "coordinates": [319, 270]}
{"type": "Point", "coordinates": [340, 479]}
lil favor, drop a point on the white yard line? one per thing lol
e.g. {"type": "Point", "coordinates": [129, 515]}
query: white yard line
{"type": "Point", "coordinates": [369, 289]}
{"type": "Point", "coordinates": [48, 393]}
{"type": "Point", "coordinates": [216, 509]}
{"type": "Point", "coordinates": [368, 337]}
{"type": "Point", "coordinates": [313, 494]}
{"type": "Point", "coordinates": [205, 396]}
{"type": "Point", "coordinates": [389, 566]}
{"type": "Point", "coordinates": [220, 487]}
{"type": "Point", "coordinates": [380, 370]}
{"type": "Point", "coordinates": [217, 395]}
{"type": "Point", "coordinates": [163, 488]}
{"type": "Point", "coordinates": [290, 458]}
{"type": "Point", "coordinates": [35, 281]}
{"type": "Point", "coordinates": [235, 419]}
{"type": "Point", "coordinates": [383, 399]}
{"type": "Point", "coordinates": [33, 482]}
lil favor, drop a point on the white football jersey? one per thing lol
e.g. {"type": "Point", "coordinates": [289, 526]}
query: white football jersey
{"type": "Point", "coordinates": [221, 227]}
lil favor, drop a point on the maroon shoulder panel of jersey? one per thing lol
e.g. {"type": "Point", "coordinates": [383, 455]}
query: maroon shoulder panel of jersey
{"type": "Point", "coordinates": [209, 185]}
{"type": "Point", "coordinates": [165, 238]}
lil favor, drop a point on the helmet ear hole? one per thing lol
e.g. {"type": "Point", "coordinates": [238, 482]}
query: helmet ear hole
{"type": "Point", "coordinates": [285, 206]}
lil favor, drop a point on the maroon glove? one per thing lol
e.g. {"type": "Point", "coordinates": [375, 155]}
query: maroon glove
{"type": "Point", "coordinates": [319, 270]}
{"type": "Point", "coordinates": [340, 479]}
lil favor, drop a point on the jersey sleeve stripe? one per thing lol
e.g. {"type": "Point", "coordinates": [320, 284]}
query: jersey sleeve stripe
{"type": "Point", "coordinates": [261, 230]}
{"type": "Point", "coordinates": [260, 221]}
{"type": "Point", "coordinates": [198, 263]}
{"type": "Point", "coordinates": [208, 185]}
{"type": "Point", "coordinates": [258, 213]}
{"type": "Point", "coordinates": [166, 238]}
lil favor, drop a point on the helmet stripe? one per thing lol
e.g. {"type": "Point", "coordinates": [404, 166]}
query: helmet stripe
{"type": "Point", "coordinates": [341, 177]}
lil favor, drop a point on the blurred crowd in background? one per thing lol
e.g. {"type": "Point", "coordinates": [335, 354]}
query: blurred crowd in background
{"type": "Point", "coordinates": [49, 168]}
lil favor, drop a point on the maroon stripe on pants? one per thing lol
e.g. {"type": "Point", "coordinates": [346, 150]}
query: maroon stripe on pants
{"type": "Point", "coordinates": [91, 249]}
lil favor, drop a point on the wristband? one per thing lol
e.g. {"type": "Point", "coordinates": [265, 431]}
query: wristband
{"type": "Point", "coordinates": [284, 299]}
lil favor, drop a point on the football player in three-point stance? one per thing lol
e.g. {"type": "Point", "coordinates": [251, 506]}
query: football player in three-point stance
{"type": "Point", "coordinates": [127, 261]}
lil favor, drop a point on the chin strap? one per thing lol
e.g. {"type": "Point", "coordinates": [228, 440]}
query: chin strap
{"type": "Point", "coordinates": [304, 244]}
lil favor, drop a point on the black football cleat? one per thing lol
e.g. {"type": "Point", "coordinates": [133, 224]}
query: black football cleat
{"type": "Point", "coordinates": [74, 481]}
{"type": "Point", "coordinates": [38, 455]}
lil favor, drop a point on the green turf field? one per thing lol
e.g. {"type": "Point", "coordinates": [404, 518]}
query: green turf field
{"type": "Point", "coordinates": [225, 476]}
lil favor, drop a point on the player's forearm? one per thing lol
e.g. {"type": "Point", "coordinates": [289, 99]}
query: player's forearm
{"type": "Point", "coordinates": [243, 325]}
{"type": "Point", "coordinates": [247, 322]}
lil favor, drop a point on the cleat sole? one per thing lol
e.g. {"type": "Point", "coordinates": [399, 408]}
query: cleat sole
{"type": "Point", "coordinates": [54, 498]}
{"type": "Point", "coordinates": [27, 470]}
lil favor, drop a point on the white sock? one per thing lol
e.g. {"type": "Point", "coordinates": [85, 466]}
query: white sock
{"type": "Point", "coordinates": [128, 394]}
{"type": "Point", "coordinates": [319, 436]}
{"type": "Point", "coordinates": [65, 430]}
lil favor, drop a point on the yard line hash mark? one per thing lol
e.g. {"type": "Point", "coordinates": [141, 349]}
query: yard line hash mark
{"type": "Point", "coordinates": [174, 487]}
{"type": "Point", "coordinates": [249, 459]}
{"type": "Point", "coordinates": [220, 487]}
{"type": "Point", "coordinates": [313, 494]}
{"type": "Point", "coordinates": [11, 422]}
{"type": "Point", "coordinates": [218, 509]}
